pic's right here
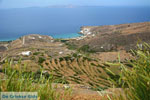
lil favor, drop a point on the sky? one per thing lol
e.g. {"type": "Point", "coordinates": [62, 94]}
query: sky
{"type": "Point", "coordinates": [44, 3]}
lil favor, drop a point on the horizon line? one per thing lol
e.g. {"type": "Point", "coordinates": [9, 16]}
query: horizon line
{"type": "Point", "coordinates": [75, 6]}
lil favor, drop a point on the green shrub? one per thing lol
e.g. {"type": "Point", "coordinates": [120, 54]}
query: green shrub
{"type": "Point", "coordinates": [41, 60]}
{"type": "Point", "coordinates": [64, 41]}
{"type": "Point", "coordinates": [86, 49]}
{"type": "Point", "coordinates": [57, 40]}
{"type": "Point", "coordinates": [36, 53]}
{"type": "Point", "coordinates": [18, 80]}
{"type": "Point", "coordinates": [71, 46]}
{"type": "Point", "coordinates": [135, 81]}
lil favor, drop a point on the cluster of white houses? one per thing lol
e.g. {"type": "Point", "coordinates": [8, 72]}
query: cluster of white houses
{"type": "Point", "coordinates": [86, 32]}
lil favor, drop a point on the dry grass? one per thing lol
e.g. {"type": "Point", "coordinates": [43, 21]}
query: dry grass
{"type": "Point", "coordinates": [79, 70]}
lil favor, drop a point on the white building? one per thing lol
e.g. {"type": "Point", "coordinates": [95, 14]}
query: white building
{"type": "Point", "coordinates": [26, 53]}
{"type": "Point", "coordinates": [60, 52]}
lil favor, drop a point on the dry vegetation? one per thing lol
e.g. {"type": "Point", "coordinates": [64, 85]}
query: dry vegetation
{"type": "Point", "coordinates": [115, 37]}
{"type": "Point", "coordinates": [80, 70]}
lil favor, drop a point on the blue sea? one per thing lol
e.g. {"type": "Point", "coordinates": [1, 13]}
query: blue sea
{"type": "Point", "coordinates": [64, 22]}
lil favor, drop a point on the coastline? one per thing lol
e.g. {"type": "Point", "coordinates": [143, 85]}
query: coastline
{"type": "Point", "coordinates": [83, 33]}
{"type": "Point", "coordinates": [63, 36]}
{"type": "Point", "coordinates": [7, 40]}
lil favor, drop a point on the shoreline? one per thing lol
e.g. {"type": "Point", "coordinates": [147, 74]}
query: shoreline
{"type": "Point", "coordinates": [54, 37]}
{"type": "Point", "coordinates": [7, 40]}
{"type": "Point", "coordinates": [84, 32]}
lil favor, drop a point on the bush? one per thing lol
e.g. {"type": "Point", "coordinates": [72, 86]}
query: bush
{"type": "Point", "coordinates": [41, 60]}
{"type": "Point", "coordinates": [135, 81]}
{"type": "Point", "coordinates": [18, 80]}
{"type": "Point", "coordinates": [71, 46]}
{"type": "Point", "coordinates": [36, 53]}
{"type": "Point", "coordinates": [64, 41]}
{"type": "Point", "coordinates": [86, 49]}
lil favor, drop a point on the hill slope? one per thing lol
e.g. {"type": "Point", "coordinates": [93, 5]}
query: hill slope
{"type": "Point", "coordinates": [113, 37]}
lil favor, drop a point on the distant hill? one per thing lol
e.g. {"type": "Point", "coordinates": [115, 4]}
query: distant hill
{"type": "Point", "coordinates": [62, 6]}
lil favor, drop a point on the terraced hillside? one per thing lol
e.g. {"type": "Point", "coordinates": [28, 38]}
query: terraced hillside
{"type": "Point", "coordinates": [80, 70]}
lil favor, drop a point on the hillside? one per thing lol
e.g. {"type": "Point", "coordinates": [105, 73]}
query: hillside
{"type": "Point", "coordinates": [113, 37]}
{"type": "Point", "coordinates": [33, 49]}
{"type": "Point", "coordinates": [100, 42]}
{"type": "Point", "coordinates": [97, 41]}
{"type": "Point", "coordinates": [78, 62]}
